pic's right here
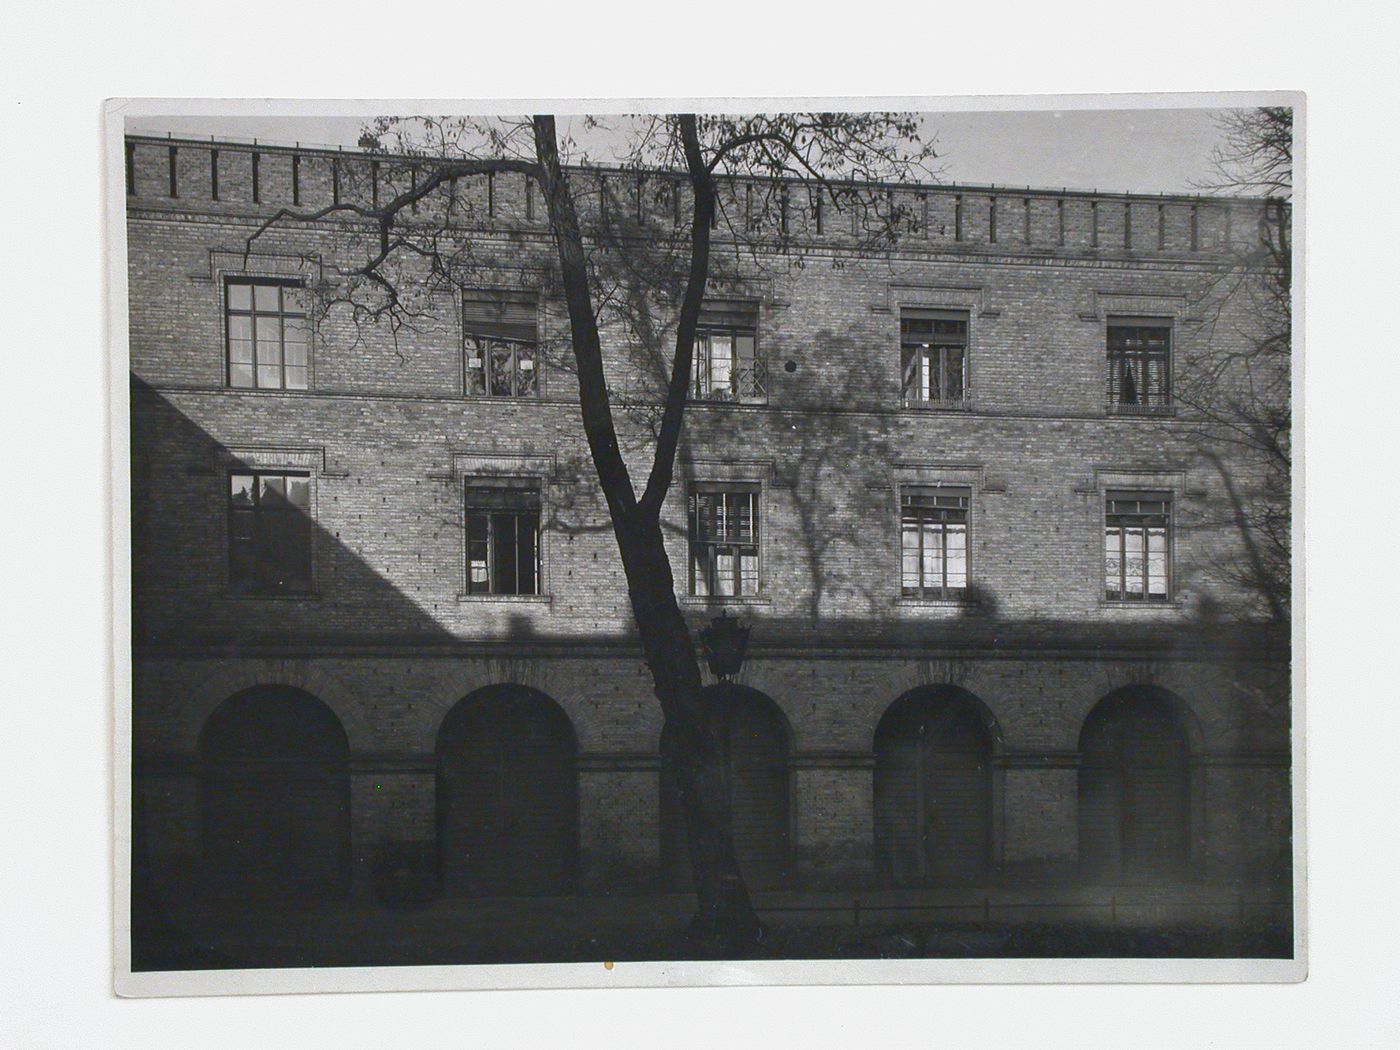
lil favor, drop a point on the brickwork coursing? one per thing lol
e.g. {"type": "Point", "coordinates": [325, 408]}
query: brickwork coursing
{"type": "Point", "coordinates": [389, 642]}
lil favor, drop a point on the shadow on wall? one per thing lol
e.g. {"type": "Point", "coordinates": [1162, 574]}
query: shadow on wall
{"type": "Point", "coordinates": [192, 590]}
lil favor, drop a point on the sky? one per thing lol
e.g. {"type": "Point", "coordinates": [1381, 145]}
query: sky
{"type": "Point", "coordinates": [1108, 149]}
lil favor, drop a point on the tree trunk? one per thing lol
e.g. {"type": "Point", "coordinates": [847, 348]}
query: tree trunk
{"type": "Point", "coordinates": [725, 924]}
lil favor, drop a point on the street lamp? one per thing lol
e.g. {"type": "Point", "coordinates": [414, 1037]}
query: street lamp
{"type": "Point", "coordinates": [726, 642]}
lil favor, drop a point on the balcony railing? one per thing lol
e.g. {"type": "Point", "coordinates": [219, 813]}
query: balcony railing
{"type": "Point", "coordinates": [1156, 405]}
{"type": "Point", "coordinates": [941, 404]}
{"type": "Point", "coordinates": [746, 386]}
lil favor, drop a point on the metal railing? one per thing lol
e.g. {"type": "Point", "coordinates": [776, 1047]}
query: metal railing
{"type": "Point", "coordinates": [747, 386]}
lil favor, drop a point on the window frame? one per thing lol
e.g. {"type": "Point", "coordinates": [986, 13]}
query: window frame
{"type": "Point", "coordinates": [253, 313]}
{"type": "Point", "coordinates": [502, 332]}
{"type": "Point", "coordinates": [259, 515]}
{"type": "Point", "coordinates": [943, 593]}
{"type": "Point", "coordinates": [725, 489]}
{"type": "Point", "coordinates": [532, 490]}
{"type": "Point", "coordinates": [1148, 403]}
{"type": "Point", "coordinates": [910, 349]}
{"type": "Point", "coordinates": [1141, 521]}
{"type": "Point", "coordinates": [734, 319]}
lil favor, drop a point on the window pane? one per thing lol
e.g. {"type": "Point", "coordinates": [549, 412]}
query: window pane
{"type": "Point", "coordinates": [269, 333]}
{"type": "Point", "coordinates": [269, 377]}
{"type": "Point", "coordinates": [957, 556]}
{"type": "Point", "coordinates": [240, 327]}
{"type": "Point", "coordinates": [744, 351]}
{"type": "Point", "coordinates": [748, 568]}
{"type": "Point", "coordinates": [475, 366]}
{"type": "Point", "coordinates": [699, 570]}
{"type": "Point", "coordinates": [527, 553]}
{"type": "Point", "coordinates": [477, 532]}
{"type": "Point", "coordinates": [240, 375]}
{"type": "Point", "coordinates": [1157, 563]}
{"type": "Point", "coordinates": [1113, 564]}
{"type": "Point", "coordinates": [721, 360]}
{"type": "Point", "coordinates": [240, 297]}
{"type": "Point", "coordinates": [724, 571]}
{"type": "Point", "coordinates": [299, 493]}
{"type": "Point", "coordinates": [503, 554]}
{"type": "Point", "coordinates": [241, 489]}
{"type": "Point", "coordinates": [501, 370]}
{"type": "Point", "coordinates": [240, 351]}
{"type": "Point", "coordinates": [271, 487]}
{"type": "Point", "coordinates": [296, 377]}
{"type": "Point", "coordinates": [928, 365]}
{"type": "Point", "coordinates": [296, 355]}
{"type": "Point", "coordinates": [266, 297]}
{"type": "Point", "coordinates": [910, 389]}
{"type": "Point", "coordinates": [953, 375]}
{"type": "Point", "coordinates": [526, 377]}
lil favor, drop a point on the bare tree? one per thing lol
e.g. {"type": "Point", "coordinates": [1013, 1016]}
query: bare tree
{"type": "Point", "coordinates": [411, 239]}
{"type": "Point", "coordinates": [1240, 381]}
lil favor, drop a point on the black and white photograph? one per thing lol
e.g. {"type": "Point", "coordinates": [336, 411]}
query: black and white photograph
{"type": "Point", "coordinates": [816, 541]}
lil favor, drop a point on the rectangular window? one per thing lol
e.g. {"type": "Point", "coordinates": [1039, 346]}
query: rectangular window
{"type": "Point", "coordinates": [1139, 366]}
{"type": "Point", "coordinates": [726, 365]}
{"type": "Point", "coordinates": [724, 540]}
{"type": "Point", "coordinates": [1137, 534]}
{"type": "Point", "coordinates": [933, 357]}
{"type": "Point", "coordinates": [503, 537]}
{"type": "Point", "coordinates": [268, 334]}
{"type": "Point", "coordinates": [933, 541]}
{"type": "Point", "coordinates": [269, 533]}
{"type": "Point", "coordinates": [501, 343]}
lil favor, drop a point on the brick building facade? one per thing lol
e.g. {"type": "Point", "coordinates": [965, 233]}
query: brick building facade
{"type": "Point", "coordinates": [996, 640]}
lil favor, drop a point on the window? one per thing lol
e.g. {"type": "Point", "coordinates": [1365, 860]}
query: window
{"type": "Point", "coordinates": [501, 343]}
{"type": "Point", "coordinates": [269, 533]}
{"type": "Point", "coordinates": [724, 540]}
{"type": "Point", "coordinates": [503, 537]}
{"type": "Point", "coordinates": [933, 355]}
{"type": "Point", "coordinates": [267, 334]}
{"type": "Point", "coordinates": [1139, 367]}
{"type": "Point", "coordinates": [727, 366]}
{"type": "Point", "coordinates": [1136, 543]}
{"type": "Point", "coordinates": [933, 541]}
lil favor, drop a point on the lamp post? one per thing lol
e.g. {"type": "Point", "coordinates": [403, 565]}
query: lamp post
{"type": "Point", "coordinates": [726, 643]}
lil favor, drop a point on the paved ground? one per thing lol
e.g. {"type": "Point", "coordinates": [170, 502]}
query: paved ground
{"type": "Point", "coordinates": [353, 933]}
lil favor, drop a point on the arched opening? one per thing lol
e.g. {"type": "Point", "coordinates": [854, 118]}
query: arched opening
{"type": "Point", "coordinates": [1134, 789]}
{"type": "Point", "coordinates": [507, 795]}
{"type": "Point", "coordinates": [756, 741]}
{"type": "Point", "coordinates": [275, 796]}
{"type": "Point", "coordinates": [933, 789]}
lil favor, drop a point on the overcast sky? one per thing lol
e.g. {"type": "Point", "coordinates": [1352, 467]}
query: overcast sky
{"type": "Point", "coordinates": [1135, 150]}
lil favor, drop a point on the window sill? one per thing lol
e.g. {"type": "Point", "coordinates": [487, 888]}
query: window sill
{"type": "Point", "coordinates": [254, 596]}
{"type": "Point", "coordinates": [1110, 603]}
{"type": "Point", "coordinates": [1140, 411]}
{"type": "Point", "coordinates": [529, 599]}
{"type": "Point", "coordinates": [935, 603]}
{"type": "Point", "coordinates": [962, 405]}
{"type": "Point", "coordinates": [703, 600]}
{"type": "Point", "coordinates": [512, 399]}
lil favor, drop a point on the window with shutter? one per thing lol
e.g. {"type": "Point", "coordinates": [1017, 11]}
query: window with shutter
{"type": "Point", "coordinates": [500, 332]}
{"type": "Point", "coordinates": [724, 540]}
{"type": "Point", "coordinates": [1139, 367]}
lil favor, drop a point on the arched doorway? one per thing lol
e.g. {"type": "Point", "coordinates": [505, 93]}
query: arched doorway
{"type": "Point", "coordinates": [507, 795]}
{"type": "Point", "coordinates": [757, 741]}
{"type": "Point", "coordinates": [275, 796]}
{"type": "Point", "coordinates": [1134, 788]}
{"type": "Point", "coordinates": [933, 789]}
